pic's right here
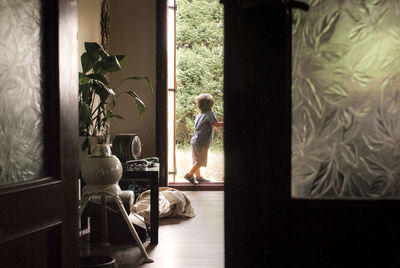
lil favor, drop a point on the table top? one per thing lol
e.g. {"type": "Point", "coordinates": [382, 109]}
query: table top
{"type": "Point", "coordinates": [149, 171]}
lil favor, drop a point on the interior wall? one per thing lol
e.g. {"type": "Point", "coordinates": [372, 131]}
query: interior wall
{"type": "Point", "coordinates": [133, 33]}
{"type": "Point", "coordinates": [88, 24]}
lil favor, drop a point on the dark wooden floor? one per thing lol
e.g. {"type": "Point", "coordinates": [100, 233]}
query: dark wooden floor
{"type": "Point", "coordinates": [193, 242]}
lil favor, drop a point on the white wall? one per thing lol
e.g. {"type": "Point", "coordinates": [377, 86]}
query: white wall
{"type": "Point", "coordinates": [89, 29]}
{"type": "Point", "coordinates": [133, 33]}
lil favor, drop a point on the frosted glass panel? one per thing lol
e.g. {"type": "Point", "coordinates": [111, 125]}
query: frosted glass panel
{"type": "Point", "coordinates": [21, 138]}
{"type": "Point", "coordinates": [346, 100]}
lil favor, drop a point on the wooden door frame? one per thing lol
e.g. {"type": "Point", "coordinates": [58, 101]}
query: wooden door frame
{"type": "Point", "coordinates": [162, 89]}
{"type": "Point", "coordinates": [162, 104]}
{"type": "Point", "coordinates": [69, 141]}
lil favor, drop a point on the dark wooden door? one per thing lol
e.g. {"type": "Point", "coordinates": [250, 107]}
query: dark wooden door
{"type": "Point", "coordinates": [38, 220]}
{"type": "Point", "coordinates": [264, 226]}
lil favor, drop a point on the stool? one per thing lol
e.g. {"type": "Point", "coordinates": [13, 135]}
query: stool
{"type": "Point", "coordinates": [112, 191]}
{"type": "Point", "coordinates": [118, 231]}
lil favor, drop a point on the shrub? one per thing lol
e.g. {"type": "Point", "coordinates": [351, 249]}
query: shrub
{"type": "Point", "coordinates": [199, 68]}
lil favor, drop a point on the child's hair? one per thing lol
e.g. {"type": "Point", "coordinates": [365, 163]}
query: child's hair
{"type": "Point", "coordinates": [204, 102]}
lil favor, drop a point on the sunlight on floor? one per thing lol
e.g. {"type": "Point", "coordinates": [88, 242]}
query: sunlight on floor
{"type": "Point", "coordinates": [214, 170]}
{"type": "Point", "coordinates": [193, 242]}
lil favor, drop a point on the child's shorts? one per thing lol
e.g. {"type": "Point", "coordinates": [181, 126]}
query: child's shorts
{"type": "Point", "coordinates": [199, 155]}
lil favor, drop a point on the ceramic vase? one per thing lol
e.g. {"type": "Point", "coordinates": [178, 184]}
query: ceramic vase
{"type": "Point", "coordinates": [101, 168]}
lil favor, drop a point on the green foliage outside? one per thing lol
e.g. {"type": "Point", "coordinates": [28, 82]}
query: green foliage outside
{"type": "Point", "coordinates": [199, 63]}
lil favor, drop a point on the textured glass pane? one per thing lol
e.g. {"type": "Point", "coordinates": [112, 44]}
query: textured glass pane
{"type": "Point", "coordinates": [346, 99]}
{"type": "Point", "coordinates": [21, 138]}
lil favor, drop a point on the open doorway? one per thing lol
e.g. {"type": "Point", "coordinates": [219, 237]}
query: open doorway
{"type": "Point", "coordinates": [195, 66]}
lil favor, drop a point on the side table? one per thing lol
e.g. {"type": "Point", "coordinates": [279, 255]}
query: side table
{"type": "Point", "coordinates": [151, 175]}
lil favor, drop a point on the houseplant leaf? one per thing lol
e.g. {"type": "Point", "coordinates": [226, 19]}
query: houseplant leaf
{"type": "Point", "coordinates": [140, 106]}
{"type": "Point", "coordinates": [93, 50]}
{"type": "Point", "coordinates": [83, 79]}
{"type": "Point", "coordinates": [96, 96]}
{"type": "Point", "coordinates": [103, 53]}
{"type": "Point", "coordinates": [85, 93]}
{"type": "Point", "coordinates": [84, 118]}
{"type": "Point", "coordinates": [87, 62]}
{"type": "Point", "coordinates": [110, 64]}
{"type": "Point", "coordinates": [100, 78]}
{"type": "Point", "coordinates": [110, 114]}
{"type": "Point", "coordinates": [102, 90]}
{"type": "Point", "coordinates": [122, 59]}
{"type": "Point", "coordinates": [97, 69]}
{"type": "Point", "coordinates": [141, 78]}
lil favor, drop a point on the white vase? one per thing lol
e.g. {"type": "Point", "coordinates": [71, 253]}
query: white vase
{"type": "Point", "coordinates": [101, 168]}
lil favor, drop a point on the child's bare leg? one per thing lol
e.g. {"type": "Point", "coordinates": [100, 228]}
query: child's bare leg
{"type": "Point", "coordinates": [197, 173]}
{"type": "Point", "coordinates": [194, 169]}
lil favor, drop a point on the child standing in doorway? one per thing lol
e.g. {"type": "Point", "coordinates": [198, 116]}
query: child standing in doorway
{"type": "Point", "coordinates": [202, 137]}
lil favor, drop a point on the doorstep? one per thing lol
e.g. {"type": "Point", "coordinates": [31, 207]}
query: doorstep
{"type": "Point", "coordinates": [185, 186]}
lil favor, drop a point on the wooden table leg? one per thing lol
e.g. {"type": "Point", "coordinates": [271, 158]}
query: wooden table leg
{"type": "Point", "coordinates": [154, 211]}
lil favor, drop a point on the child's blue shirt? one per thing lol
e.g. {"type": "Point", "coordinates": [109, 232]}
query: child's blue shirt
{"type": "Point", "coordinates": [203, 129]}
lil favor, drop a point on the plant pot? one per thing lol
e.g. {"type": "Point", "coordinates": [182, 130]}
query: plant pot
{"type": "Point", "coordinates": [98, 261]}
{"type": "Point", "coordinates": [92, 142]}
{"type": "Point", "coordinates": [101, 168]}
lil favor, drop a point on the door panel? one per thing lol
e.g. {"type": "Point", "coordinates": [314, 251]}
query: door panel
{"type": "Point", "coordinates": [171, 101]}
{"type": "Point", "coordinates": [33, 249]}
{"type": "Point", "coordinates": [26, 200]}
{"type": "Point", "coordinates": [264, 225]}
{"type": "Point", "coordinates": [39, 222]}
{"type": "Point", "coordinates": [21, 121]}
{"type": "Point", "coordinates": [345, 87]}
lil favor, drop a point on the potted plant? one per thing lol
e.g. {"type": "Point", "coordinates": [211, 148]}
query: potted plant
{"type": "Point", "coordinates": [97, 97]}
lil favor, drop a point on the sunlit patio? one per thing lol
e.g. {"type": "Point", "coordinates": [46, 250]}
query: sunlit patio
{"type": "Point", "coordinates": [214, 170]}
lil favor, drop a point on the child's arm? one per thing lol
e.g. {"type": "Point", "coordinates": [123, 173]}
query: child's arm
{"type": "Point", "coordinates": [219, 124]}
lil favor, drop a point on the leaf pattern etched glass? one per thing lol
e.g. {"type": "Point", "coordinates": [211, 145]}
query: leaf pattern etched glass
{"type": "Point", "coordinates": [21, 131]}
{"type": "Point", "coordinates": [346, 99]}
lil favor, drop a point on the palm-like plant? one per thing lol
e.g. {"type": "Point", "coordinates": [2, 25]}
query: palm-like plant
{"type": "Point", "coordinates": [96, 96]}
